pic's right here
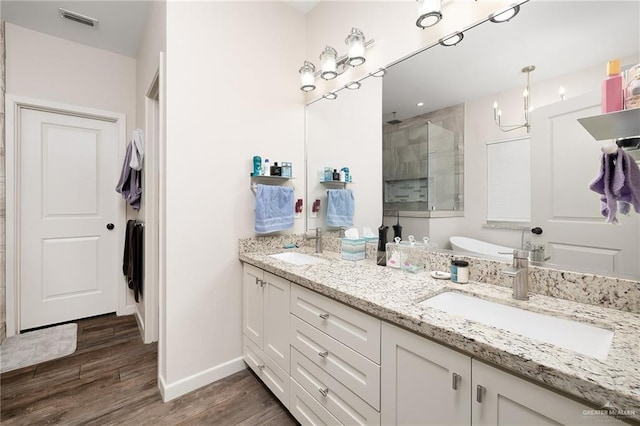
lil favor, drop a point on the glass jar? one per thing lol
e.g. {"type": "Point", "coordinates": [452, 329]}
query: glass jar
{"type": "Point", "coordinates": [632, 90]}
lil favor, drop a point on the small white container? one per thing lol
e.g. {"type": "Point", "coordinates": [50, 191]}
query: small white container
{"type": "Point", "coordinates": [460, 271]}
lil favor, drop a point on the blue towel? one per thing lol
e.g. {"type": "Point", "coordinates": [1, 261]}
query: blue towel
{"type": "Point", "coordinates": [274, 208]}
{"type": "Point", "coordinates": [340, 206]}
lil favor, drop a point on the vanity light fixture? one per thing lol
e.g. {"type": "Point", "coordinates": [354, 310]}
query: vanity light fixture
{"type": "Point", "coordinates": [332, 65]}
{"type": "Point", "coordinates": [452, 39]}
{"type": "Point", "coordinates": [328, 60]}
{"type": "Point", "coordinates": [330, 95]}
{"type": "Point", "coordinates": [526, 94]}
{"type": "Point", "coordinates": [355, 41]}
{"type": "Point", "coordinates": [307, 77]}
{"type": "Point", "coordinates": [354, 85]}
{"type": "Point", "coordinates": [505, 14]}
{"type": "Point", "coordinates": [429, 13]}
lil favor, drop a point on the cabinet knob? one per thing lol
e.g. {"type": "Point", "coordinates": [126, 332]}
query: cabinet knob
{"type": "Point", "coordinates": [323, 391]}
{"type": "Point", "coordinates": [260, 367]}
{"type": "Point", "coordinates": [324, 316]}
{"type": "Point", "coordinates": [455, 381]}
{"type": "Point", "coordinates": [323, 354]}
{"type": "Point", "coordinates": [480, 391]}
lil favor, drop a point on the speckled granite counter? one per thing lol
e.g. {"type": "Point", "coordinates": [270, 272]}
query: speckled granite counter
{"type": "Point", "coordinates": [393, 295]}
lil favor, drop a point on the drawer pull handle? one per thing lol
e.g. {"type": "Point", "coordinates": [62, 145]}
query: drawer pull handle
{"type": "Point", "coordinates": [480, 394]}
{"type": "Point", "coordinates": [260, 367]}
{"type": "Point", "coordinates": [455, 381]}
{"type": "Point", "coordinates": [324, 316]}
{"type": "Point", "coordinates": [262, 283]}
{"type": "Point", "coordinates": [323, 391]}
{"type": "Point", "coordinates": [323, 354]}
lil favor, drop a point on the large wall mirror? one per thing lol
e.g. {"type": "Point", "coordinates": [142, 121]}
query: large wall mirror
{"type": "Point", "coordinates": [569, 43]}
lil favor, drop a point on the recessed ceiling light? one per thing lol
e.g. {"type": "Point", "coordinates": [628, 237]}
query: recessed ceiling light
{"type": "Point", "coordinates": [353, 85]}
{"type": "Point", "coordinates": [420, 104]}
{"type": "Point", "coordinates": [451, 40]}
{"type": "Point", "coordinates": [330, 95]}
{"type": "Point", "coordinates": [378, 73]}
{"type": "Point", "coordinates": [505, 15]}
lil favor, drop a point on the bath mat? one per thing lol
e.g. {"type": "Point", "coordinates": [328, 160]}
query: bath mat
{"type": "Point", "coordinates": [33, 347]}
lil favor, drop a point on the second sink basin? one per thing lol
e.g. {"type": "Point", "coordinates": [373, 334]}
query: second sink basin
{"type": "Point", "coordinates": [575, 336]}
{"type": "Point", "coordinates": [296, 258]}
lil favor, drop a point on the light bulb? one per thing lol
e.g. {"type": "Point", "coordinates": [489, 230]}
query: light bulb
{"type": "Point", "coordinates": [328, 63]}
{"type": "Point", "coordinates": [355, 41]}
{"type": "Point", "coordinates": [307, 77]}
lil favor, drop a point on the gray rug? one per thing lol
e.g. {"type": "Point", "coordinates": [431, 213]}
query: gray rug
{"type": "Point", "coordinates": [33, 347]}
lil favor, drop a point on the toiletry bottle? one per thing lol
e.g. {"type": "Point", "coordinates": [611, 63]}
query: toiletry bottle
{"type": "Point", "coordinates": [612, 88]}
{"type": "Point", "coordinates": [460, 271]}
{"type": "Point", "coordinates": [275, 170]}
{"type": "Point", "coordinates": [336, 175]}
{"type": "Point", "coordinates": [257, 165]}
{"type": "Point", "coordinates": [347, 176]}
{"type": "Point", "coordinates": [342, 176]}
{"type": "Point", "coordinates": [266, 170]}
{"type": "Point", "coordinates": [328, 176]}
{"type": "Point", "coordinates": [381, 255]}
{"type": "Point", "coordinates": [397, 228]}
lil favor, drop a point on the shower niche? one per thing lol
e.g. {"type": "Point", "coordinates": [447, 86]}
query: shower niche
{"type": "Point", "coordinates": [423, 164]}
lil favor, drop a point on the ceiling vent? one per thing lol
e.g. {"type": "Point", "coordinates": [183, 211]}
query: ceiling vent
{"type": "Point", "coordinates": [76, 17]}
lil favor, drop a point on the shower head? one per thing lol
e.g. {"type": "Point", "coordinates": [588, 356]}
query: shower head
{"type": "Point", "coordinates": [395, 120]}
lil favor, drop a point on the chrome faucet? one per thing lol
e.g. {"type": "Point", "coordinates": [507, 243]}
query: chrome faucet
{"type": "Point", "coordinates": [519, 272]}
{"type": "Point", "coordinates": [318, 239]}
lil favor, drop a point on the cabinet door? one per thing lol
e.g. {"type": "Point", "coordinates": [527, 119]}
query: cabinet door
{"type": "Point", "coordinates": [276, 319]}
{"type": "Point", "coordinates": [276, 379]}
{"type": "Point", "coordinates": [423, 383]}
{"type": "Point", "coordinates": [252, 304]}
{"type": "Point", "coordinates": [507, 399]}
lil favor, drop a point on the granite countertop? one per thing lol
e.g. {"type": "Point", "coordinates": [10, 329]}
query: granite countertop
{"type": "Point", "coordinates": [393, 295]}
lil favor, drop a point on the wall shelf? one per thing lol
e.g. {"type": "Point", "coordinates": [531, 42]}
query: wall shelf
{"type": "Point", "coordinates": [613, 125]}
{"type": "Point", "coordinates": [334, 183]}
{"type": "Point", "coordinates": [268, 180]}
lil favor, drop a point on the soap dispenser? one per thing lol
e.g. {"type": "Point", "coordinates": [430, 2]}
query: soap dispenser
{"type": "Point", "coordinates": [381, 256]}
{"type": "Point", "coordinates": [612, 93]}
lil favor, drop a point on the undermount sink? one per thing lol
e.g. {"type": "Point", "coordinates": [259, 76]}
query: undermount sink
{"type": "Point", "coordinates": [296, 258]}
{"type": "Point", "coordinates": [575, 336]}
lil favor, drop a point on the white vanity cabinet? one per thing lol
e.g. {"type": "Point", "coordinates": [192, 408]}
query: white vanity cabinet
{"type": "Point", "coordinates": [335, 359]}
{"type": "Point", "coordinates": [423, 383]}
{"type": "Point", "coordinates": [265, 325]}
{"type": "Point", "coordinates": [502, 398]}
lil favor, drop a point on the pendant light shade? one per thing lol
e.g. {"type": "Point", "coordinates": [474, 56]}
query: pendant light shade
{"type": "Point", "coordinates": [328, 63]}
{"type": "Point", "coordinates": [355, 42]}
{"type": "Point", "coordinates": [429, 13]}
{"type": "Point", "coordinates": [307, 78]}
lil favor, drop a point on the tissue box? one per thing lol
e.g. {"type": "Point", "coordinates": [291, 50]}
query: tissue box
{"type": "Point", "coordinates": [353, 248]}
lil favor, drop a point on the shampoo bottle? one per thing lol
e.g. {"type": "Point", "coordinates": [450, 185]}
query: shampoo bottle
{"type": "Point", "coordinates": [612, 88]}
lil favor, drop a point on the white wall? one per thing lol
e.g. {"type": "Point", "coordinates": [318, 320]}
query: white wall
{"type": "Point", "coordinates": [232, 93]}
{"type": "Point", "coordinates": [50, 68]}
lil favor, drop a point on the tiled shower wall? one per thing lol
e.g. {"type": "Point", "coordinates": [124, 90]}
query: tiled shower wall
{"type": "Point", "coordinates": [3, 257]}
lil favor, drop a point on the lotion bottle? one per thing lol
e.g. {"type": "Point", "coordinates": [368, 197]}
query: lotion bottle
{"type": "Point", "coordinates": [612, 88]}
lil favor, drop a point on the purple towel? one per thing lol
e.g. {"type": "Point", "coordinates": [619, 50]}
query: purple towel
{"type": "Point", "coordinates": [618, 183]}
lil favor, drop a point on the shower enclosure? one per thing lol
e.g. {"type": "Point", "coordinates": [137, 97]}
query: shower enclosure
{"type": "Point", "coordinates": [422, 170]}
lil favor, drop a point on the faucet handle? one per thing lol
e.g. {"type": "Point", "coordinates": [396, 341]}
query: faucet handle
{"type": "Point", "coordinates": [520, 254]}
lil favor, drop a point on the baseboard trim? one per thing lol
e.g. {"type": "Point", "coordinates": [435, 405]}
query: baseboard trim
{"type": "Point", "coordinates": [174, 390]}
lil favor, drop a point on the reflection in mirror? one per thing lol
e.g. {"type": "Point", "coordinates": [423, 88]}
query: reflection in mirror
{"type": "Point", "coordinates": [569, 50]}
{"type": "Point", "coordinates": [346, 132]}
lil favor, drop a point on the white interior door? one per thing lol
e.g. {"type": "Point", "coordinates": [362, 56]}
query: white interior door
{"type": "Point", "coordinates": [565, 160]}
{"type": "Point", "coordinates": [69, 260]}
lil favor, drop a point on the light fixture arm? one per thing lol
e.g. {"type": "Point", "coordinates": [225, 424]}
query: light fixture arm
{"type": "Point", "coordinates": [526, 94]}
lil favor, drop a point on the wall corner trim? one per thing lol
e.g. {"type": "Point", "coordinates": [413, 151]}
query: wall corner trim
{"type": "Point", "coordinates": [183, 386]}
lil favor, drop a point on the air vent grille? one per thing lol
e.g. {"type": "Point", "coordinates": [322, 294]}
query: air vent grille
{"type": "Point", "coordinates": [76, 17]}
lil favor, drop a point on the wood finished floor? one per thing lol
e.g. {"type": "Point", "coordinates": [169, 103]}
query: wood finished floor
{"type": "Point", "coordinates": [111, 380]}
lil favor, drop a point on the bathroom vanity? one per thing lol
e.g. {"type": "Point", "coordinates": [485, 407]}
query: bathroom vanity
{"type": "Point", "coordinates": [342, 342]}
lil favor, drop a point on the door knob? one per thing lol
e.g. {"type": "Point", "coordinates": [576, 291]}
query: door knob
{"type": "Point", "coordinates": [537, 230]}
{"type": "Point", "coordinates": [110, 226]}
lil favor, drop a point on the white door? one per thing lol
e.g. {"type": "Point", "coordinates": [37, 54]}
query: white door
{"type": "Point", "coordinates": [565, 159]}
{"type": "Point", "coordinates": [70, 263]}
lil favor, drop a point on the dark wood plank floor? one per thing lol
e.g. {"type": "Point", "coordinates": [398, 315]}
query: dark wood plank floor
{"type": "Point", "coordinates": [111, 379]}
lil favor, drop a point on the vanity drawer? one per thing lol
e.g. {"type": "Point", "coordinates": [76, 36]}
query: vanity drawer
{"type": "Point", "coordinates": [267, 370]}
{"type": "Point", "coordinates": [307, 410]}
{"type": "Point", "coordinates": [359, 331]}
{"type": "Point", "coordinates": [357, 373]}
{"type": "Point", "coordinates": [345, 405]}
